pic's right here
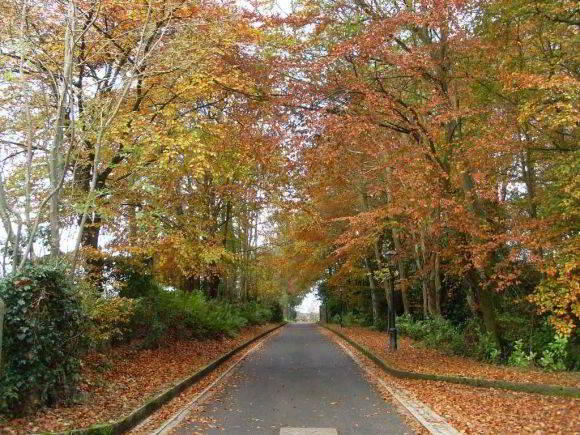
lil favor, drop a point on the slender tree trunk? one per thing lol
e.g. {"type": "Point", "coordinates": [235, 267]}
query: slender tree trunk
{"type": "Point", "coordinates": [484, 303]}
{"type": "Point", "coordinates": [5, 215]}
{"type": "Point", "coordinates": [387, 288]}
{"type": "Point", "coordinates": [423, 281]}
{"type": "Point", "coordinates": [55, 164]}
{"type": "Point", "coordinates": [377, 296]}
{"type": "Point", "coordinates": [529, 176]}
{"type": "Point", "coordinates": [244, 245]}
{"type": "Point", "coordinates": [434, 291]}
{"type": "Point", "coordinates": [29, 135]}
{"type": "Point", "coordinates": [428, 279]}
{"type": "Point", "coordinates": [225, 245]}
{"type": "Point", "coordinates": [402, 274]}
{"type": "Point", "coordinates": [213, 286]}
{"type": "Point", "coordinates": [437, 284]}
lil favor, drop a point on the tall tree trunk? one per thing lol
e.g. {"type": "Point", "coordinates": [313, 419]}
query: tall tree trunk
{"type": "Point", "coordinates": [225, 245]}
{"type": "Point", "coordinates": [90, 244]}
{"type": "Point", "coordinates": [213, 286]}
{"type": "Point", "coordinates": [402, 274]}
{"type": "Point", "coordinates": [484, 303]}
{"type": "Point", "coordinates": [55, 163]}
{"type": "Point", "coordinates": [423, 281]}
{"type": "Point", "coordinates": [427, 279]}
{"type": "Point", "coordinates": [5, 215]}
{"type": "Point", "coordinates": [378, 299]}
{"type": "Point", "coordinates": [244, 246]}
{"type": "Point", "coordinates": [529, 176]}
{"type": "Point", "coordinates": [434, 290]}
{"type": "Point", "coordinates": [388, 282]}
{"type": "Point", "coordinates": [437, 283]}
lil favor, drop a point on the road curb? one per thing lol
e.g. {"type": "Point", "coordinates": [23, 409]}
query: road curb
{"type": "Point", "coordinates": [168, 425]}
{"type": "Point", "coordinates": [548, 390]}
{"type": "Point", "coordinates": [138, 415]}
{"type": "Point", "coordinates": [429, 419]}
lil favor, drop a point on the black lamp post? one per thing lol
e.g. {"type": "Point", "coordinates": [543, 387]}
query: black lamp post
{"type": "Point", "coordinates": [392, 327]}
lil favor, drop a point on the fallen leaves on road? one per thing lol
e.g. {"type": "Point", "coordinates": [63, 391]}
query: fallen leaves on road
{"type": "Point", "coordinates": [469, 409]}
{"type": "Point", "coordinates": [116, 383]}
{"type": "Point", "coordinates": [194, 417]}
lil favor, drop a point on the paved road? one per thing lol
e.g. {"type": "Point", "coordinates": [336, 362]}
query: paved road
{"type": "Point", "coordinates": [298, 379]}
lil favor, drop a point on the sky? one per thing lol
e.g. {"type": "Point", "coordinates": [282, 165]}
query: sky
{"type": "Point", "coordinates": [310, 303]}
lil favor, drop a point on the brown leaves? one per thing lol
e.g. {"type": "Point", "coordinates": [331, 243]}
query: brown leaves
{"type": "Point", "coordinates": [123, 379]}
{"type": "Point", "coordinates": [477, 410]}
{"type": "Point", "coordinates": [414, 357]}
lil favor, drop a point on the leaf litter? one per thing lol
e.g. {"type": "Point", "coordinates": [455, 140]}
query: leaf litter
{"type": "Point", "coordinates": [472, 410]}
{"type": "Point", "coordinates": [120, 380]}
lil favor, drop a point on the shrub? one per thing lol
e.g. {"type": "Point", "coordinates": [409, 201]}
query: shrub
{"type": "Point", "coordinates": [337, 318]}
{"type": "Point", "coordinates": [191, 315]}
{"type": "Point", "coordinates": [518, 357]}
{"type": "Point", "coordinates": [277, 313]}
{"type": "Point", "coordinates": [255, 313]}
{"type": "Point", "coordinates": [437, 333]}
{"type": "Point", "coordinates": [483, 346]}
{"type": "Point", "coordinates": [132, 275]}
{"type": "Point", "coordinates": [109, 318]}
{"type": "Point", "coordinates": [410, 328]}
{"type": "Point", "coordinates": [44, 336]}
{"type": "Point", "coordinates": [472, 340]}
{"type": "Point", "coordinates": [554, 357]}
{"type": "Point", "coordinates": [353, 319]}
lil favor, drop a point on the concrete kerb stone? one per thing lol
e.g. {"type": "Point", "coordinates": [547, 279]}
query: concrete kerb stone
{"type": "Point", "coordinates": [429, 419]}
{"type": "Point", "coordinates": [141, 413]}
{"type": "Point", "coordinates": [549, 390]}
{"type": "Point", "coordinates": [168, 425]}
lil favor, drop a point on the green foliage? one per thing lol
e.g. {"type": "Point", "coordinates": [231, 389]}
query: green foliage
{"type": "Point", "coordinates": [255, 313]}
{"type": "Point", "coordinates": [163, 313]}
{"type": "Point", "coordinates": [277, 313]}
{"type": "Point", "coordinates": [438, 333]}
{"type": "Point", "coordinates": [355, 319]}
{"type": "Point", "coordinates": [442, 334]}
{"type": "Point", "coordinates": [109, 318]}
{"type": "Point", "coordinates": [471, 340]}
{"type": "Point", "coordinates": [133, 276]}
{"type": "Point", "coordinates": [44, 330]}
{"type": "Point", "coordinates": [351, 318]}
{"type": "Point", "coordinates": [554, 357]}
{"type": "Point", "coordinates": [486, 348]}
{"type": "Point", "coordinates": [519, 358]}
{"type": "Point", "coordinates": [181, 314]}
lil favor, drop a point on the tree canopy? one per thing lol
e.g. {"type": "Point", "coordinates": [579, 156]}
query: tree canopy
{"type": "Point", "coordinates": [421, 152]}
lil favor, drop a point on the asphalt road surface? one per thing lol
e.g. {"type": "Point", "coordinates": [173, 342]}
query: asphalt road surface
{"type": "Point", "coordinates": [299, 379]}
